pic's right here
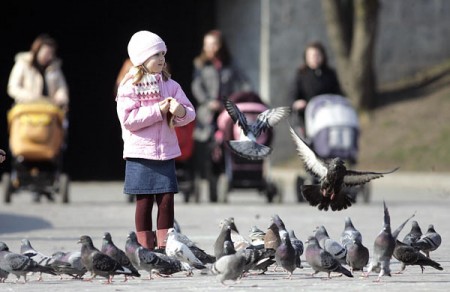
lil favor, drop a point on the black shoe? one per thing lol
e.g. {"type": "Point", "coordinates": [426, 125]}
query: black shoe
{"type": "Point", "coordinates": [160, 250]}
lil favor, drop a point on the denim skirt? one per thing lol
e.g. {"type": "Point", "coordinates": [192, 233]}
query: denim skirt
{"type": "Point", "coordinates": [147, 177]}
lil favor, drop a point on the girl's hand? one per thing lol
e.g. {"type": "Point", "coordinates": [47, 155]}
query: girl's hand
{"type": "Point", "coordinates": [176, 108]}
{"type": "Point", "coordinates": [299, 105]}
{"type": "Point", "coordinates": [164, 106]}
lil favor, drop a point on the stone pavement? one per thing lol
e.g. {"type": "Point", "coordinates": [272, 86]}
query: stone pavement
{"type": "Point", "coordinates": [97, 207]}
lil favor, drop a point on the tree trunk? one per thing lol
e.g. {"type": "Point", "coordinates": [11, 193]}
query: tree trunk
{"type": "Point", "coordinates": [354, 53]}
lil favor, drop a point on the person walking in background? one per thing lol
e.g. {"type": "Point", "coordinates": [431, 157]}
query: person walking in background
{"type": "Point", "coordinates": [37, 75]}
{"type": "Point", "coordinates": [149, 105]}
{"type": "Point", "coordinates": [314, 77]}
{"type": "Point", "coordinates": [215, 76]}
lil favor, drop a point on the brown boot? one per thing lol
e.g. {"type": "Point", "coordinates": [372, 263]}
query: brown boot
{"type": "Point", "coordinates": [161, 238]}
{"type": "Point", "coordinates": [146, 239]}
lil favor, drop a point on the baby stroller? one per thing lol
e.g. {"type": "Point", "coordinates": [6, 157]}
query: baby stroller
{"type": "Point", "coordinates": [331, 130]}
{"type": "Point", "coordinates": [36, 137]}
{"type": "Point", "coordinates": [240, 173]}
{"type": "Point", "coordinates": [187, 183]}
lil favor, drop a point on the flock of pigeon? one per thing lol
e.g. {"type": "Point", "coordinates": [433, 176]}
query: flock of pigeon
{"type": "Point", "coordinates": [235, 257]}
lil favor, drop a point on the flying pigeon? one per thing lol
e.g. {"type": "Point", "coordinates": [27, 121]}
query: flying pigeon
{"type": "Point", "coordinates": [285, 255]}
{"type": "Point", "coordinates": [68, 263]}
{"type": "Point", "coordinates": [152, 262]}
{"type": "Point", "coordinates": [336, 181]}
{"type": "Point", "coordinates": [383, 247]}
{"type": "Point", "coordinates": [350, 233]}
{"type": "Point", "coordinates": [247, 146]}
{"type": "Point", "coordinates": [181, 251]}
{"type": "Point", "coordinates": [298, 247]}
{"type": "Point", "coordinates": [203, 256]}
{"type": "Point", "coordinates": [357, 255]}
{"type": "Point", "coordinates": [322, 261]}
{"type": "Point", "coordinates": [429, 242]}
{"type": "Point", "coordinates": [330, 245]}
{"type": "Point", "coordinates": [109, 248]}
{"type": "Point", "coordinates": [99, 263]}
{"type": "Point", "coordinates": [42, 259]}
{"type": "Point", "coordinates": [414, 234]}
{"type": "Point", "coordinates": [19, 264]}
{"type": "Point", "coordinates": [229, 267]}
{"type": "Point", "coordinates": [409, 256]}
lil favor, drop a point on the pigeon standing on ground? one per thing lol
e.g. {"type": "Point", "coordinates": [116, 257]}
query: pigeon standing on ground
{"type": "Point", "coordinates": [19, 264]}
{"type": "Point", "coordinates": [42, 259]}
{"type": "Point", "coordinates": [298, 247]}
{"type": "Point", "coordinates": [229, 267]}
{"type": "Point", "coordinates": [247, 146]}
{"type": "Point", "coordinates": [285, 255]}
{"type": "Point", "coordinates": [224, 235]}
{"type": "Point", "coordinates": [336, 181]}
{"type": "Point", "coordinates": [272, 238]}
{"type": "Point", "coordinates": [109, 248]}
{"type": "Point", "coordinates": [322, 261]}
{"type": "Point", "coordinates": [383, 247]}
{"type": "Point", "coordinates": [152, 262]}
{"type": "Point", "coordinates": [99, 263]}
{"type": "Point", "coordinates": [429, 242]}
{"type": "Point", "coordinates": [414, 234]}
{"type": "Point", "coordinates": [3, 275]}
{"type": "Point", "coordinates": [181, 251]}
{"type": "Point", "coordinates": [256, 236]}
{"type": "Point", "coordinates": [238, 240]}
{"type": "Point", "coordinates": [330, 245]}
{"type": "Point", "coordinates": [350, 233]}
{"type": "Point", "coordinates": [357, 256]}
{"type": "Point", "coordinates": [409, 256]}
{"type": "Point", "coordinates": [203, 256]}
{"type": "Point", "coordinates": [68, 263]}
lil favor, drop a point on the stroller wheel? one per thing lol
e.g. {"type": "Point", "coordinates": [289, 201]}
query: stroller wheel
{"type": "Point", "coordinates": [7, 188]}
{"type": "Point", "coordinates": [298, 189]}
{"type": "Point", "coordinates": [222, 188]}
{"type": "Point", "coordinates": [212, 181]}
{"type": "Point", "coordinates": [63, 189]}
{"type": "Point", "coordinates": [271, 191]}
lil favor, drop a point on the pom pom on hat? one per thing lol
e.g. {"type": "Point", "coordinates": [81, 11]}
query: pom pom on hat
{"type": "Point", "coordinates": [144, 44]}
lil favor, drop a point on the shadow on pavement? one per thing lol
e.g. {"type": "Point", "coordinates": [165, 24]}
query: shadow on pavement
{"type": "Point", "coordinates": [10, 223]}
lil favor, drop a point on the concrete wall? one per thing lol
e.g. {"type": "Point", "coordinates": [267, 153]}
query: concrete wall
{"type": "Point", "coordinates": [413, 35]}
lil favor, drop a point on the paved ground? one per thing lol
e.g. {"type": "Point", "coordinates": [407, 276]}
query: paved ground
{"type": "Point", "coordinates": [97, 207]}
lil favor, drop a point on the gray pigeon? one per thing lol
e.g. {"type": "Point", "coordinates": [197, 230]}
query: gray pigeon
{"type": "Point", "coordinates": [109, 248]}
{"type": "Point", "coordinates": [414, 234]}
{"type": "Point", "coordinates": [228, 247]}
{"type": "Point", "coordinates": [42, 259]}
{"type": "Point", "coordinates": [350, 233]}
{"type": "Point", "coordinates": [3, 275]}
{"type": "Point", "coordinates": [322, 261]}
{"type": "Point", "coordinates": [229, 267]}
{"type": "Point", "coordinates": [383, 247]}
{"type": "Point", "coordinates": [409, 256]}
{"type": "Point", "coordinates": [181, 251]}
{"type": "Point", "coordinates": [203, 256]}
{"type": "Point", "coordinates": [68, 263]}
{"type": "Point", "coordinates": [224, 235]}
{"type": "Point", "coordinates": [258, 259]}
{"type": "Point", "coordinates": [247, 145]}
{"type": "Point", "coordinates": [285, 255]}
{"type": "Point", "coordinates": [238, 240]}
{"type": "Point", "coordinates": [98, 263]}
{"type": "Point", "coordinates": [336, 181]}
{"type": "Point", "coordinates": [152, 262]}
{"type": "Point", "coordinates": [280, 224]}
{"type": "Point", "coordinates": [429, 242]}
{"type": "Point", "coordinates": [19, 264]}
{"type": "Point", "coordinates": [297, 244]}
{"type": "Point", "coordinates": [357, 255]}
{"type": "Point", "coordinates": [330, 245]}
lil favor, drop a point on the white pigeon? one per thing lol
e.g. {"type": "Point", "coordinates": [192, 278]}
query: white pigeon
{"type": "Point", "coordinates": [247, 146]}
{"type": "Point", "coordinates": [181, 251]}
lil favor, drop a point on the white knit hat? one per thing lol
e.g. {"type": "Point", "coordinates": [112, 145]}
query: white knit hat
{"type": "Point", "coordinates": [143, 45]}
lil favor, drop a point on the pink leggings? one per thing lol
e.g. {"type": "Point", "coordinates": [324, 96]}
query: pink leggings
{"type": "Point", "coordinates": [144, 206]}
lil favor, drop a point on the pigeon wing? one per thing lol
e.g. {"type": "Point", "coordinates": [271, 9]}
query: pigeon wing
{"type": "Point", "coordinates": [312, 163]}
{"type": "Point", "coordinates": [269, 118]}
{"type": "Point", "coordinates": [236, 115]}
{"type": "Point", "coordinates": [353, 177]}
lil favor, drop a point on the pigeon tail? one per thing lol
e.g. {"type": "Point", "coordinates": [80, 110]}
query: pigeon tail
{"type": "Point", "coordinates": [313, 194]}
{"type": "Point", "coordinates": [249, 149]}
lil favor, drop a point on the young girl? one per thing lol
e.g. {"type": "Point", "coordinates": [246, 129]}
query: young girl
{"type": "Point", "coordinates": [149, 106]}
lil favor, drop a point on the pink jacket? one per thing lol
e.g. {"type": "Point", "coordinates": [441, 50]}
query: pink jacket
{"type": "Point", "coordinates": [145, 131]}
